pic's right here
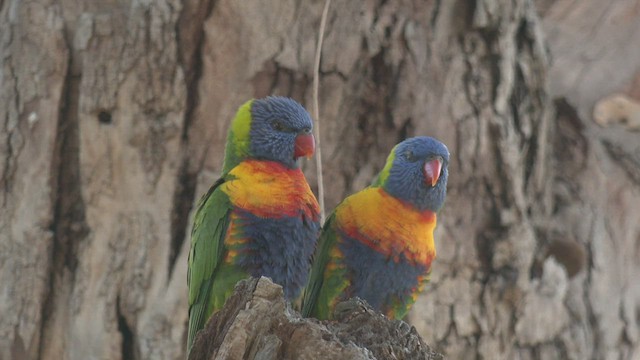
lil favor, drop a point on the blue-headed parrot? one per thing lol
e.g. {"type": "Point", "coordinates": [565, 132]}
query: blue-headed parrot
{"type": "Point", "coordinates": [378, 243]}
{"type": "Point", "coordinates": [261, 217]}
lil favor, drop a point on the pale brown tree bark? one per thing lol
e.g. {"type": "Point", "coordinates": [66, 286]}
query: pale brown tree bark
{"type": "Point", "coordinates": [255, 323]}
{"type": "Point", "coordinates": [114, 116]}
{"type": "Point", "coordinates": [597, 187]}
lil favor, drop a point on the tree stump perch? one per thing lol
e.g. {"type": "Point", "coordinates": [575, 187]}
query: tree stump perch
{"type": "Point", "coordinates": [256, 323]}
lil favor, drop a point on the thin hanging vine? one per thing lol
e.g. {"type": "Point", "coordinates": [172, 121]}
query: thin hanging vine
{"type": "Point", "coordinates": [316, 110]}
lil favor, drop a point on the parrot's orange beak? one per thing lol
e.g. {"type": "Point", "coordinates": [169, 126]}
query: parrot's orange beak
{"type": "Point", "coordinates": [305, 146]}
{"type": "Point", "coordinates": [432, 171]}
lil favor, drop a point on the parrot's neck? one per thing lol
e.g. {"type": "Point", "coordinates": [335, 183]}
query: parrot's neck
{"type": "Point", "coordinates": [238, 143]}
{"type": "Point", "coordinates": [234, 154]}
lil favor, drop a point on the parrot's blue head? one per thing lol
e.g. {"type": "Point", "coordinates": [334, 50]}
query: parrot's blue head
{"type": "Point", "coordinates": [416, 172]}
{"type": "Point", "coordinates": [274, 128]}
{"type": "Point", "coordinates": [280, 131]}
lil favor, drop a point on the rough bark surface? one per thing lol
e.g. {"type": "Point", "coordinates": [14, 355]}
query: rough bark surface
{"type": "Point", "coordinates": [33, 68]}
{"type": "Point", "coordinates": [597, 185]}
{"type": "Point", "coordinates": [256, 323]}
{"type": "Point", "coordinates": [113, 119]}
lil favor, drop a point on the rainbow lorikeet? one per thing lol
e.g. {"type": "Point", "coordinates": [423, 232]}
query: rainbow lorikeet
{"type": "Point", "coordinates": [378, 243]}
{"type": "Point", "coordinates": [260, 218]}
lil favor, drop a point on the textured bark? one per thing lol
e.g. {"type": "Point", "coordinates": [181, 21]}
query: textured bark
{"type": "Point", "coordinates": [484, 301]}
{"type": "Point", "coordinates": [32, 82]}
{"type": "Point", "coordinates": [597, 189]}
{"type": "Point", "coordinates": [255, 323]}
{"type": "Point", "coordinates": [114, 116]}
{"type": "Point", "coordinates": [94, 107]}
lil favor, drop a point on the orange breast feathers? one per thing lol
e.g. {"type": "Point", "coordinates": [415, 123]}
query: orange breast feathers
{"type": "Point", "coordinates": [269, 189]}
{"type": "Point", "coordinates": [388, 225]}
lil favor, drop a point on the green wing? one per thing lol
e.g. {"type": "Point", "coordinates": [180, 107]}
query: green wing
{"type": "Point", "coordinates": [324, 286]}
{"type": "Point", "coordinates": [207, 247]}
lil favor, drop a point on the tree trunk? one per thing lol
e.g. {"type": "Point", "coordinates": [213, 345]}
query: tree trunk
{"type": "Point", "coordinates": [114, 121]}
{"type": "Point", "coordinates": [597, 187]}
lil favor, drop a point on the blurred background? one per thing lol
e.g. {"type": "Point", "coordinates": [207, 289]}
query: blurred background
{"type": "Point", "coordinates": [114, 116]}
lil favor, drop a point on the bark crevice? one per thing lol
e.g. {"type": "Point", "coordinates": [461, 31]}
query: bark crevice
{"type": "Point", "coordinates": [191, 35]}
{"type": "Point", "coordinates": [69, 225]}
{"type": "Point", "coordinates": [127, 335]}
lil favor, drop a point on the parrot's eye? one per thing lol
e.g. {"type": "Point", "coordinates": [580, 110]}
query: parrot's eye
{"type": "Point", "coordinates": [408, 155]}
{"type": "Point", "coordinates": [278, 126]}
